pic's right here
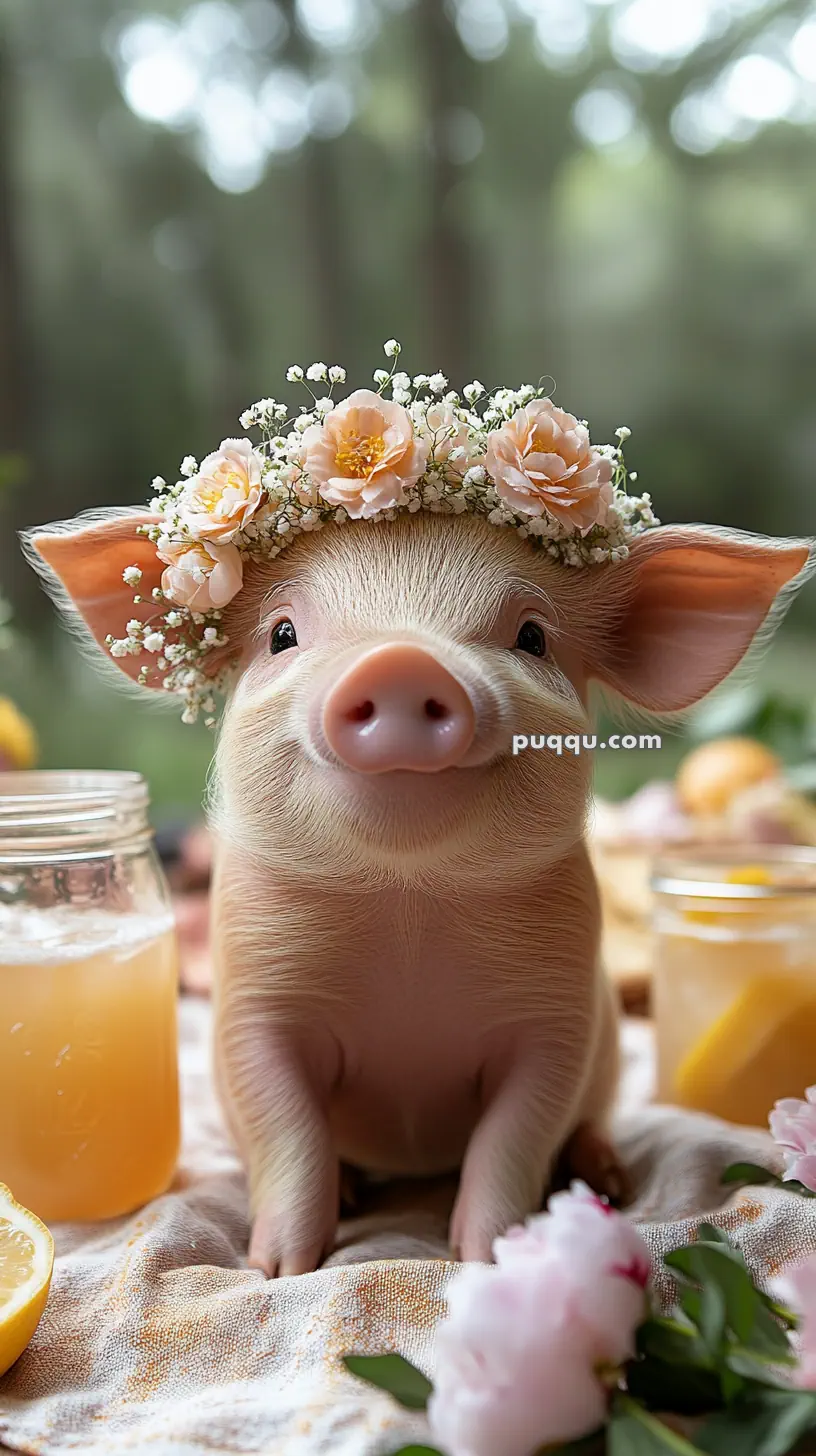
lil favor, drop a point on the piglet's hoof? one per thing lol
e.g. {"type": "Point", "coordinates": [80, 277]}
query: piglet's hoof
{"type": "Point", "coordinates": [280, 1249]}
{"type": "Point", "coordinates": [591, 1156]}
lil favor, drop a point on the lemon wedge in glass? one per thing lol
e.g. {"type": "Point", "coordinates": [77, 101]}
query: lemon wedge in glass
{"type": "Point", "coordinates": [26, 1262]}
{"type": "Point", "coordinates": [762, 1048]}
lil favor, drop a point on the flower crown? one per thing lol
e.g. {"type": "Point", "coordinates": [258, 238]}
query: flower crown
{"type": "Point", "coordinates": [512, 457]}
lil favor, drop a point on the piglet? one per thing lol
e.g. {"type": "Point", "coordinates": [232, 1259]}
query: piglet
{"type": "Point", "coordinates": [405, 920]}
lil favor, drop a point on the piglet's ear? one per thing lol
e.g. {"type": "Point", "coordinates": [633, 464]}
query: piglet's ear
{"type": "Point", "coordinates": [81, 563]}
{"type": "Point", "coordinates": [686, 605]}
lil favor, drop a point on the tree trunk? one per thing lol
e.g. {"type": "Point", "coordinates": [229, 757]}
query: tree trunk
{"type": "Point", "coordinates": [448, 263]}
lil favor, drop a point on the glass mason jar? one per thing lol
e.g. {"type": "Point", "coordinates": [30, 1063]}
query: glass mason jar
{"type": "Point", "coordinates": [735, 979]}
{"type": "Point", "coordinates": [89, 1106]}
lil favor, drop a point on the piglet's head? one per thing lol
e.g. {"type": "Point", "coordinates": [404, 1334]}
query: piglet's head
{"type": "Point", "coordinates": [385, 667]}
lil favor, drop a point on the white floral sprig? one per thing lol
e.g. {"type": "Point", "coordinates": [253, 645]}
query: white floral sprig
{"type": "Point", "coordinates": [510, 456]}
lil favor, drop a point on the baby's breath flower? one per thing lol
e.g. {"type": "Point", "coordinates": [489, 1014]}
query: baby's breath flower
{"type": "Point", "coordinates": [118, 648]}
{"type": "Point", "coordinates": [340, 515]}
{"type": "Point", "coordinates": [158, 482]}
{"type": "Point", "coordinates": [337, 374]}
{"type": "Point", "coordinates": [473, 391]}
{"type": "Point", "coordinates": [437, 383]}
{"type": "Point", "coordinates": [154, 641]}
{"type": "Point", "coordinates": [175, 652]}
{"type": "Point", "coordinates": [324, 405]}
{"type": "Point", "coordinates": [401, 380]}
{"type": "Point", "coordinates": [173, 619]}
{"type": "Point", "coordinates": [247, 419]}
{"type": "Point", "coordinates": [303, 422]}
{"type": "Point", "coordinates": [294, 373]}
{"type": "Point", "coordinates": [189, 465]}
{"type": "Point", "coordinates": [210, 634]}
{"type": "Point", "coordinates": [623, 432]}
{"type": "Point", "coordinates": [134, 627]}
{"type": "Point", "coordinates": [391, 348]}
{"type": "Point", "coordinates": [421, 381]}
{"type": "Point", "coordinates": [131, 576]}
{"type": "Point", "coordinates": [282, 525]}
{"type": "Point", "coordinates": [381, 376]}
{"type": "Point", "coordinates": [316, 371]}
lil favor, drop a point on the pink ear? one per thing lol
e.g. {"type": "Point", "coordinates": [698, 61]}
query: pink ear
{"type": "Point", "coordinates": [687, 605]}
{"type": "Point", "coordinates": [88, 561]}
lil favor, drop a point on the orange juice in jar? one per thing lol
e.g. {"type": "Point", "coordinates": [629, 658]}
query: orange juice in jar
{"type": "Point", "coordinates": [89, 1110]}
{"type": "Point", "coordinates": [735, 979]}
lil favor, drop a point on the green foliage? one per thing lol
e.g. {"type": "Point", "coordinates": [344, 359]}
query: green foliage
{"type": "Point", "coordinates": [717, 1361]}
{"type": "Point", "coordinates": [757, 1177]}
{"type": "Point", "coordinates": [395, 1374]}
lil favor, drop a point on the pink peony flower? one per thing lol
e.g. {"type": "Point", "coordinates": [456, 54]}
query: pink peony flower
{"type": "Point", "coordinates": [542, 460]}
{"type": "Point", "coordinates": [796, 1288]}
{"type": "Point", "coordinates": [226, 493]}
{"type": "Point", "coordinates": [364, 454]}
{"type": "Point", "coordinates": [793, 1128]}
{"type": "Point", "coordinates": [199, 576]}
{"type": "Point", "coordinates": [526, 1353]}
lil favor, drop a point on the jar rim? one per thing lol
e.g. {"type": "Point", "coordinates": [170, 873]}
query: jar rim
{"type": "Point", "coordinates": [699, 871]}
{"type": "Point", "coordinates": [48, 809]}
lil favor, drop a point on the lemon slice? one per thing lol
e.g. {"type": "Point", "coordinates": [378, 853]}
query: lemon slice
{"type": "Point", "coordinates": [26, 1261]}
{"type": "Point", "coordinates": [762, 1048]}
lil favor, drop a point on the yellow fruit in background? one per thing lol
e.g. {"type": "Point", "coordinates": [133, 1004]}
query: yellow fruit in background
{"type": "Point", "coordinates": [26, 1262]}
{"type": "Point", "coordinates": [712, 775]}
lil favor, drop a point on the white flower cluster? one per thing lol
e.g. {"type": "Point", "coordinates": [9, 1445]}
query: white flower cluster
{"type": "Point", "coordinates": [509, 456]}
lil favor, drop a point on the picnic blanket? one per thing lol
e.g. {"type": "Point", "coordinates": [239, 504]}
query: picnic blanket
{"type": "Point", "coordinates": [157, 1338]}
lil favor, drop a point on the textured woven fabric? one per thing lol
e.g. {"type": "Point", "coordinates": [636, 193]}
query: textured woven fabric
{"type": "Point", "coordinates": [158, 1340]}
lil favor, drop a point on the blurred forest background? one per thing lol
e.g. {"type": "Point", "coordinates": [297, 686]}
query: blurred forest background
{"type": "Point", "coordinates": [194, 195]}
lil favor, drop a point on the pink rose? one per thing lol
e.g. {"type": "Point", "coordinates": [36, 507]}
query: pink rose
{"type": "Point", "coordinates": [199, 576]}
{"type": "Point", "coordinates": [364, 454]}
{"type": "Point", "coordinates": [542, 460]}
{"type": "Point", "coordinates": [793, 1128]}
{"type": "Point", "coordinates": [796, 1289]}
{"type": "Point", "coordinates": [226, 493]}
{"type": "Point", "coordinates": [523, 1358]}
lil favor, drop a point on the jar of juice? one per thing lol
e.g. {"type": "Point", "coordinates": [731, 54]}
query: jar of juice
{"type": "Point", "coordinates": [89, 1107]}
{"type": "Point", "coordinates": [735, 979]}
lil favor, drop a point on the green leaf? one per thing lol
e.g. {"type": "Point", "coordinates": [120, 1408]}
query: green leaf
{"type": "Point", "coordinates": [711, 1323]}
{"type": "Point", "coordinates": [675, 1343]}
{"type": "Point", "coordinates": [708, 1233]}
{"type": "Point", "coordinates": [758, 1368]}
{"type": "Point", "coordinates": [768, 1424]}
{"type": "Point", "coordinates": [395, 1374]}
{"type": "Point", "coordinates": [746, 1311]}
{"type": "Point", "coordinates": [415, 1450]}
{"type": "Point", "coordinates": [634, 1432]}
{"type": "Point", "coordinates": [750, 1173]}
{"type": "Point", "coordinates": [661, 1385]}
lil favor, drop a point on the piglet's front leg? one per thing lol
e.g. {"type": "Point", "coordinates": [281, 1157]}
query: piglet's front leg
{"type": "Point", "coordinates": [275, 1084]}
{"type": "Point", "coordinates": [527, 1109]}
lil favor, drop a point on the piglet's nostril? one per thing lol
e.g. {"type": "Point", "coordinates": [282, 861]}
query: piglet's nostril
{"type": "Point", "coordinates": [435, 710]}
{"type": "Point", "coordinates": [361, 712]}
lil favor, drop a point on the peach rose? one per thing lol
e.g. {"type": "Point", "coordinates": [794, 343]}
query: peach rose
{"type": "Point", "coordinates": [225, 494]}
{"type": "Point", "coordinates": [448, 433]}
{"type": "Point", "coordinates": [199, 576]}
{"type": "Point", "coordinates": [364, 454]}
{"type": "Point", "coordinates": [542, 460]}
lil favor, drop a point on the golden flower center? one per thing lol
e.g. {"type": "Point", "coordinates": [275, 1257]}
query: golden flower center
{"type": "Point", "coordinates": [358, 455]}
{"type": "Point", "coordinates": [210, 494]}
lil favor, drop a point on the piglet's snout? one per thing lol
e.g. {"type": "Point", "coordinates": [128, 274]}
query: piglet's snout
{"type": "Point", "coordinates": [397, 707]}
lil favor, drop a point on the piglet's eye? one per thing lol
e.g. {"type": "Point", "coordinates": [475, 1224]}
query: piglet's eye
{"type": "Point", "coordinates": [283, 636]}
{"type": "Point", "coordinates": [531, 639]}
